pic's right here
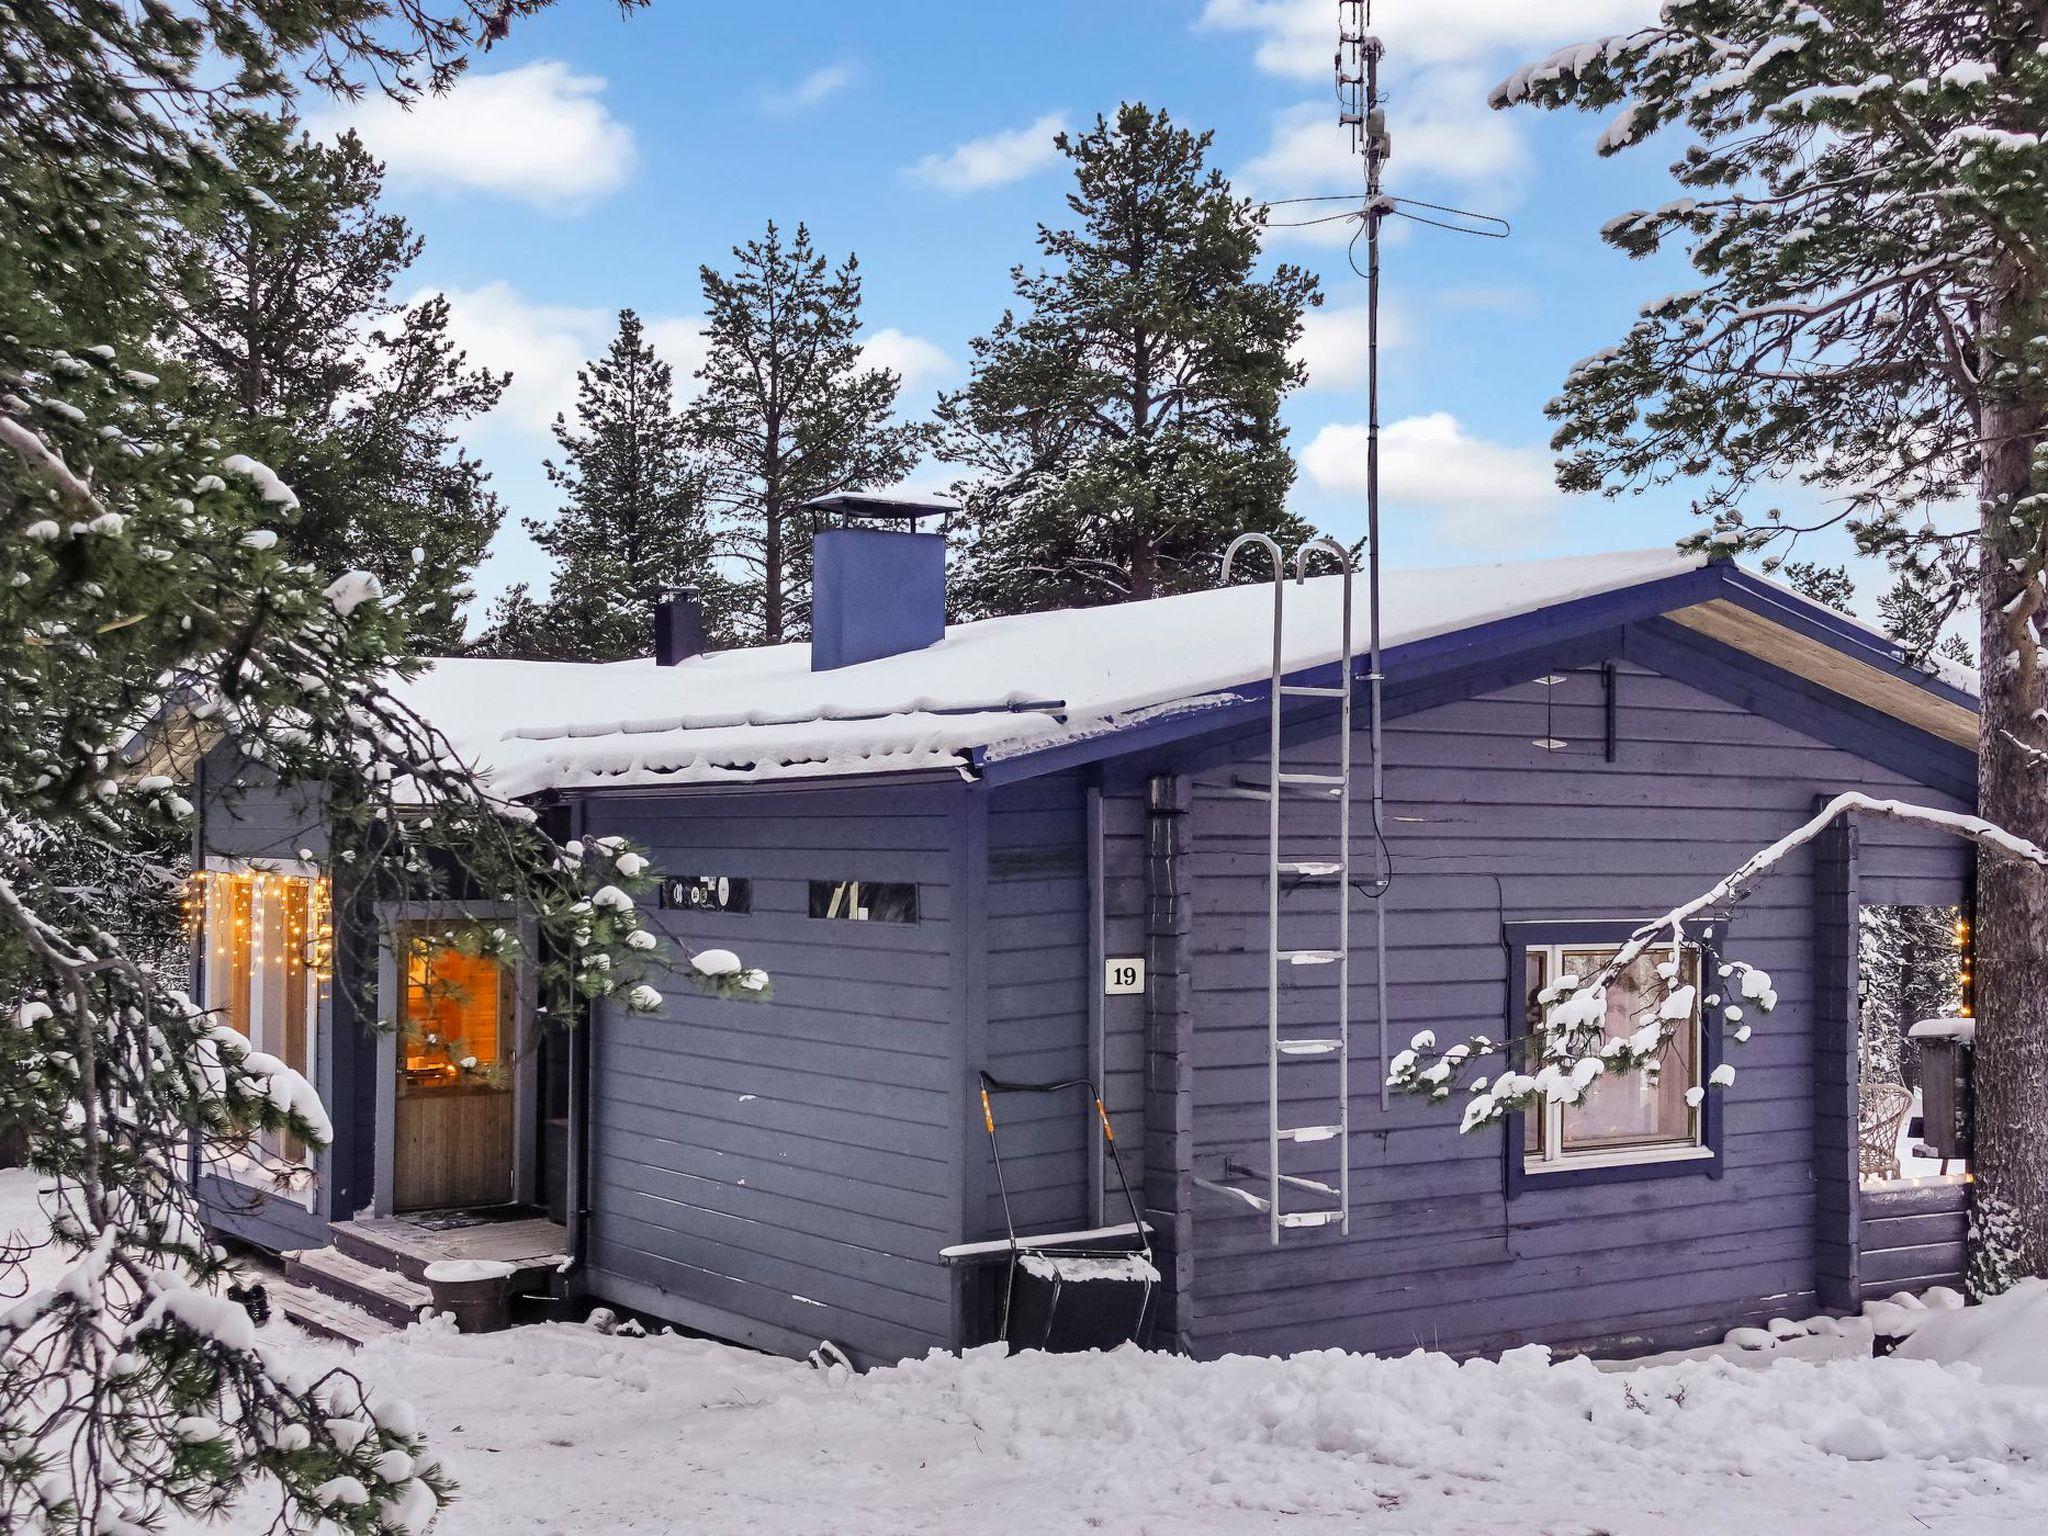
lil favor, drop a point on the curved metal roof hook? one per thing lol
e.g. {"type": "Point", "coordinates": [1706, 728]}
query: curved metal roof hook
{"type": "Point", "coordinates": [1272, 548]}
{"type": "Point", "coordinates": [1329, 546]}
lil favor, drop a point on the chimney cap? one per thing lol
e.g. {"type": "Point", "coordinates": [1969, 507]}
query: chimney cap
{"type": "Point", "coordinates": [855, 504]}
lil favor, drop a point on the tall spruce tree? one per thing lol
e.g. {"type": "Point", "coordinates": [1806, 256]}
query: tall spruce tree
{"type": "Point", "coordinates": [283, 316]}
{"type": "Point", "coordinates": [788, 413]}
{"type": "Point", "coordinates": [1127, 426]}
{"type": "Point", "coordinates": [1862, 195]}
{"type": "Point", "coordinates": [633, 523]}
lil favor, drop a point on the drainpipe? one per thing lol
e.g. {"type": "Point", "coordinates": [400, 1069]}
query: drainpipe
{"type": "Point", "coordinates": [578, 1177]}
{"type": "Point", "coordinates": [1098, 949]}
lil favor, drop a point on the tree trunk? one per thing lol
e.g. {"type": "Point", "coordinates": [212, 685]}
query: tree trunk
{"type": "Point", "coordinates": [1144, 571]}
{"type": "Point", "coordinates": [2011, 1066]}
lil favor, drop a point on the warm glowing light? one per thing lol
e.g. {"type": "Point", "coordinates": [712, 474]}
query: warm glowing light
{"type": "Point", "coordinates": [233, 895]}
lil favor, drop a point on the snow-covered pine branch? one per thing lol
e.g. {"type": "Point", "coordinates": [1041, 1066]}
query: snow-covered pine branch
{"type": "Point", "coordinates": [1568, 1047]}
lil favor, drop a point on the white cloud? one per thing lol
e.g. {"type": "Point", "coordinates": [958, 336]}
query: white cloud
{"type": "Point", "coordinates": [544, 344]}
{"type": "Point", "coordinates": [1332, 343]}
{"type": "Point", "coordinates": [918, 361]}
{"type": "Point", "coordinates": [1485, 495]}
{"type": "Point", "coordinates": [539, 133]}
{"type": "Point", "coordinates": [680, 343]}
{"type": "Point", "coordinates": [995, 159]}
{"type": "Point", "coordinates": [1296, 38]}
{"type": "Point", "coordinates": [1447, 132]}
{"type": "Point", "coordinates": [816, 88]}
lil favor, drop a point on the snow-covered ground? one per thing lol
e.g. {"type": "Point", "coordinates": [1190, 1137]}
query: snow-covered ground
{"type": "Point", "coordinates": [568, 1430]}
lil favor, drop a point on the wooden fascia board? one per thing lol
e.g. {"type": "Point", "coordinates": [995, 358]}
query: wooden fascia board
{"type": "Point", "coordinates": [1898, 693]}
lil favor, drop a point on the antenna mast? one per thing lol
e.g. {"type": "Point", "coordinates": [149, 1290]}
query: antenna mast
{"type": "Point", "coordinates": [1359, 109]}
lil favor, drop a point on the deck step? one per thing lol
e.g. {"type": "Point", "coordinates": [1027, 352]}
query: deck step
{"type": "Point", "coordinates": [1301, 1049]}
{"type": "Point", "coordinates": [409, 1246]}
{"type": "Point", "coordinates": [383, 1293]}
{"type": "Point", "coordinates": [319, 1313]}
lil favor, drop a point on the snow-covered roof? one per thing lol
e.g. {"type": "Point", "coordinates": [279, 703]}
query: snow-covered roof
{"type": "Point", "coordinates": [999, 688]}
{"type": "Point", "coordinates": [1005, 686]}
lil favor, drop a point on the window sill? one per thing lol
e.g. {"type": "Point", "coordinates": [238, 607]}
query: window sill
{"type": "Point", "coordinates": [1621, 1166]}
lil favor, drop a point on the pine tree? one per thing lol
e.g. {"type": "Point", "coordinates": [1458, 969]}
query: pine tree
{"type": "Point", "coordinates": [1862, 194]}
{"type": "Point", "coordinates": [788, 413]}
{"type": "Point", "coordinates": [1829, 584]}
{"type": "Point", "coordinates": [633, 523]}
{"type": "Point", "coordinates": [149, 579]}
{"type": "Point", "coordinates": [1127, 426]}
{"type": "Point", "coordinates": [285, 320]}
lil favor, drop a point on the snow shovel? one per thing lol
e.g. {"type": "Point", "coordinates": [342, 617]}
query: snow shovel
{"type": "Point", "coordinates": [1054, 1264]}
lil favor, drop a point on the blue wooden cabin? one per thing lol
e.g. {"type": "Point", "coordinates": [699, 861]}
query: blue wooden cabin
{"type": "Point", "coordinates": [938, 841]}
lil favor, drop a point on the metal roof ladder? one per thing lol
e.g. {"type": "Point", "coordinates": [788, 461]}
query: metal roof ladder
{"type": "Point", "coordinates": [1303, 1057]}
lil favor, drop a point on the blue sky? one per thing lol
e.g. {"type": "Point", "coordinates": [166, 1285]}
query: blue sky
{"type": "Point", "coordinates": [590, 162]}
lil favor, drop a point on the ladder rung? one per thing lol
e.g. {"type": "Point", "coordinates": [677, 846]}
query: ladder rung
{"type": "Point", "coordinates": [1310, 1133]}
{"type": "Point", "coordinates": [1309, 1218]}
{"type": "Point", "coordinates": [1311, 956]}
{"type": "Point", "coordinates": [1313, 778]}
{"type": "Point", "coordinates": [1310, 1047]}
{"type": "Point", "coordinates": [1313, 691]}
{"type": "Point", "coordinates": [1311, 867]}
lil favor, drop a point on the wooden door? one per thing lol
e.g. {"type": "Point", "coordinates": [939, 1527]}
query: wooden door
{"type": "Point", "coordinates": [453, 1141]}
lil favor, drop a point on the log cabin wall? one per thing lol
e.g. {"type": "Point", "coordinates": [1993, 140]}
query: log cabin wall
{"type": "Point", "coordinates": [1485, 828]}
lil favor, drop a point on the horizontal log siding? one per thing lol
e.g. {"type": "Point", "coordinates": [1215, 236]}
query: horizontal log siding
{"type": "Point", "coordinates": [787, 1170]}
{"type": "Point", "coordinates": [1913, 1238]}
{"type": "Point", "coordinates": [1037, 981]}
{"type": "Point", "coordinates": [1484, 826]}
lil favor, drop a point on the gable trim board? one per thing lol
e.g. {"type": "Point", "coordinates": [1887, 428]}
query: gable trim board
{"type": "Point", "coordinates": [1903, 698]}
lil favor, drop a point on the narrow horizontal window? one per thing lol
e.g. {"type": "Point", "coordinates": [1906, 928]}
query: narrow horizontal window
{"type": "Point", "coordinates": [707, 893]}
{"type": "Point", "coordinates": [864, 901]}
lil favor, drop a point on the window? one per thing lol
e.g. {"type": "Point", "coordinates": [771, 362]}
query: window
{"type": "Point", "coordinates": [266, 949]}
{"type": "Point", "coordinates": [1647, 1115]}
{"type": "Point", "coordinates": [864, 901]}
{"type": "Point", "coordinates": [707, 893]}
{"type": "Point", "coordinates": [454, 1022]}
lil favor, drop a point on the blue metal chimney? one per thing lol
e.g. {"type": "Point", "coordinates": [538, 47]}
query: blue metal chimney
{"type": "Point", "coordinates": [875, 592]}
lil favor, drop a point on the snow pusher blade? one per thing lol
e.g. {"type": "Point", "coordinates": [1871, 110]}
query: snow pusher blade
{"type": "Point", "coordinates": [1043, 1271]}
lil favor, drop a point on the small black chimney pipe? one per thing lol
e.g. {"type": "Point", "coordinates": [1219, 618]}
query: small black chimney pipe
{"type": "Point", "coordinates": [678, 626]}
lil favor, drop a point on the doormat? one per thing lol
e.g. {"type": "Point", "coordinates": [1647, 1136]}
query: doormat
{"type": "Point", "coordinates": [455, 1221]}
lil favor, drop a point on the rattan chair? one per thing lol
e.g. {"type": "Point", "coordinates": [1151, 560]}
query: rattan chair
{"type": "Point", "coordinates": [1883, 1110]}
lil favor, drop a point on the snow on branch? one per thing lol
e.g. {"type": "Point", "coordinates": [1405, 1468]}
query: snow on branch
{"type": "Point", "coordinates": [1569, 1047]}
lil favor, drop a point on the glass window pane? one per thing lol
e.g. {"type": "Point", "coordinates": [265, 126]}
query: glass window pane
{"type": "Point", "coordinates": [864, 901]}
{"type": "Point", "coordinates": [453, 1017]}
{"type": "Point", "coordinates": [1646, 1107]}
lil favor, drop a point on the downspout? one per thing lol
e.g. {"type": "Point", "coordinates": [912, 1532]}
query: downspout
{"type": "Point", "coordinates": [582, 1019]}
{"type": "Point", "coordinates": [1098, 953]}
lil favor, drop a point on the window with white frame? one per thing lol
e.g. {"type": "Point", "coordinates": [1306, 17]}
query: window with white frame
{"type": "Point", "coordinates": [1648, 1115]}
{"type": "Point", "coordinates": [265, 942]}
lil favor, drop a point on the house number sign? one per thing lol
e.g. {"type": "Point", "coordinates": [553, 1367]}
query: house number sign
{"type": "Point", "coordinates": [1123, 974]}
